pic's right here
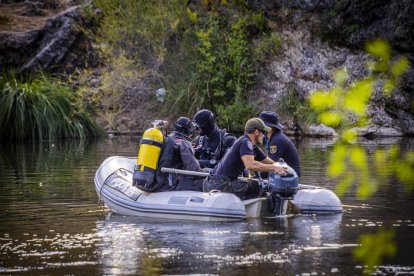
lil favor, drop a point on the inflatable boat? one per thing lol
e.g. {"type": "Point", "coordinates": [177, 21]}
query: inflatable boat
{"type": "Point", "coordinates": [113, 184]}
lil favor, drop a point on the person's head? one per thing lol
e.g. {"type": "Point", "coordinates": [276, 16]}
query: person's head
{"type": "Point", "coordinates": [184, 126]}
{"type": "Point", "coordinates": [204, 121]}
{"type": "Point", "coordinates": [271, 119]}
{"type": "Point", "coordinates": [256, 129]}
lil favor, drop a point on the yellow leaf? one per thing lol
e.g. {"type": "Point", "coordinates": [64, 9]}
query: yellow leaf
{"type": "Point", "coordinates": [379, 48]}
{"type": "Point", "coordinates": [389, 86]}
{"type": "Point", "coordinates": [349, 136]}
{"type": "Point", "coordinates": [400, 66]}
{"type": "Point", "coordinates": [358, 96]}
{"type": "Point", "coordinates": [337, 163]}
{"type": "Point", "coordinates": [375, 247]}
{"type": "Point", "coordinates": [330, 118]}
{"type": "Point", "coordinates": [343, 186]}
{"type": "Point", "coordinates": [320, 100]}
{"type": "Point", "coordinates": [358, 157]}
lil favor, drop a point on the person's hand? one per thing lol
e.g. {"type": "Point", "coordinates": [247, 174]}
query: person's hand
{"type": "Point", "coordinates": [279, 170]}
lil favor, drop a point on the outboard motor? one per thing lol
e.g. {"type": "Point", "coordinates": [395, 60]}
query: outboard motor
{"type": "Point", "coordinates": [282, 189]}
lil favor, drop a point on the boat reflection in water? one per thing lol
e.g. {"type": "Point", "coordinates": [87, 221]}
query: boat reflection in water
{"type": "Point", "coordinates": [133, 245]}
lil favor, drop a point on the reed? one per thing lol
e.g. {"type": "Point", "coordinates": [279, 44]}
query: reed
{"type": "Point", "coordinates": [39, 107]}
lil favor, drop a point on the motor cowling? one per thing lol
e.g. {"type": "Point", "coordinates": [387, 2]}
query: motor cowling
{"type": "Point", "coordinates": [284, 186]}
{"type": "Point", "coordinates": [148, 154]}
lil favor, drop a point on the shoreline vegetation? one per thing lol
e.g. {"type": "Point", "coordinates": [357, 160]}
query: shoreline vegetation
{"type": "Point", "coordinates": [37, 107]}
{"type": "Point", "coordinates": [210, 54]}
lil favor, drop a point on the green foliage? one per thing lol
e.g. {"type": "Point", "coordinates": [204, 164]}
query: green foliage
{"type": "Point", "coordinates": [218, 68]}
{"type": "Point", "coordinates": [234, 116]}
{"type": "Point", "coordinates": [267, 46]}
{"type": "Point", "coordinates": [140, 28]}
{"type": "Point", "coordinates": [370, 253]}
{"type": "Point", "coordinates": [345, 107]}
{"type": "Point", "coordinates": [41, 108]}
{"type": "Point", "coordinates": [200, 55]}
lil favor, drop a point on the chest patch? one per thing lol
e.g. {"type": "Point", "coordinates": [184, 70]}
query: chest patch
{"type": "Point", "coordinates": [273, 149]}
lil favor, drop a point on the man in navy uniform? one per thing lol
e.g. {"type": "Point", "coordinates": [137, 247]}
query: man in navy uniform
{"type": "Point", "coordinates": [244, 154]}
{"type": "Point", "coordinates": [213, 142]}
{"type": "Point", "coordinates": [280, 146]}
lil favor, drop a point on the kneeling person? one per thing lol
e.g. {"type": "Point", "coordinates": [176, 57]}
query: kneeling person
{"type": "Point", "coordinates": [244, 154]}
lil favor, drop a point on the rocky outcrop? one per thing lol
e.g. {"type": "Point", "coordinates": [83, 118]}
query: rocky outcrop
{"type": "Point", "coordinates": [319, 36]}
{"type": "Point", "coordinates": [56, 46]}
{"type": "Point", "coordinates": [322, 36]}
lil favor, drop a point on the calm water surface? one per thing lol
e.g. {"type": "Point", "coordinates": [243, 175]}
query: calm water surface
{"type": "Point", "coordinates": [51, 223]}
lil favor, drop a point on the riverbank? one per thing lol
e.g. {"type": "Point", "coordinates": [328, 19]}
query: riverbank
{"type": "Point", "coordinates": [122, 90]}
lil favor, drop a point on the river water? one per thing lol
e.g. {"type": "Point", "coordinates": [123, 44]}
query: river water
{"type": "Point", "coordinates": [51, 223]}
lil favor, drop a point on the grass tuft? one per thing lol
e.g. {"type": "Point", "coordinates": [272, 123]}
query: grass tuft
{"type": "Point", "coordinates": [39, 108]}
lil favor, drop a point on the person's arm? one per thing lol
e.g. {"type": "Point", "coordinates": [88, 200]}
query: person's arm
{"type": "Point", "coordinates": [267, 160]}
{"type": "Point", "coordinates": [254, 165]}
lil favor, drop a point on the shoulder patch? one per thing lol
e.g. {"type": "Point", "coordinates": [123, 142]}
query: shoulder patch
{"type": "Point", "coordinates": [249, 145]}
{"type": "Point", "coordinates": [273, 149]}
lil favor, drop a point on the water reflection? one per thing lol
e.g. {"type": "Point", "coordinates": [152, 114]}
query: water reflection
{"type": "Point", "coordinates": [50, 222]}
{"type": "Point", "coordinates": [317, 231]}
{"type": "Point", "coordinates": [130, 245]}
{"type": "Point", "coordinates": [135, 245]}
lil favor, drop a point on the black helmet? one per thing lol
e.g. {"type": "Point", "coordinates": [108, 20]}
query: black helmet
{"type": "Point", "coordinates": [184, 126]}
{"type": "Point", "coordinates": [204, 121]}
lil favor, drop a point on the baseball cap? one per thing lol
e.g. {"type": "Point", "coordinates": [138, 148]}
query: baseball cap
{"type": "Point", "coordinates": [256, 123]}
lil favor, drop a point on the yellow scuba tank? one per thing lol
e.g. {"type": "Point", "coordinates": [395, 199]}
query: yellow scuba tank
{"type": "Point", "coordinates": [150, 149]}
{"type": "Point", "coordinates": [148, 154]}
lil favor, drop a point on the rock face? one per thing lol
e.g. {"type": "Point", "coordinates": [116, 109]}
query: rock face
{"type": "Point", "coordinates": [318, 36]}
{"type": "Point", "coordinates": [321, 36]}
{"type": "Point", "coordinates": [53, 46]}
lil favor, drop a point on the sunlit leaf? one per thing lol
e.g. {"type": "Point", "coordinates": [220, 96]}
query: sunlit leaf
{"type": "Point", "coordinates": [358, 157]}
{"type": "Point", "coordinates": [337, 163]}
{"type": "Point", "coordinates": [394, 152]}
{"type": "Point", "coordinates": [349, 136]}
{"type": "Point", "coordinates": [344, 184]}
{"type": "Point", "coordinates": [358, 96]}
{"type": "Point", "coordinates": [330, 118]}
{"type": "Point", "coordinates": [375, 247]}
{"type": "Point", "coordinates": [400, 66]}
{"type": "Point", "coordinates": [320, 100]}
{"type": "Point", "coordinates": [367, 185]}
{"type": "Point", "coordinates": [388, 87]}
{"type": "Point", "coordinates": [379, 48]}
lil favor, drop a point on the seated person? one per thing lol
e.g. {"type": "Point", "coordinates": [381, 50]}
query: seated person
{"type": "Point", "coordinates": [244, 154]}
{"type": "Point", "coordinates": [280, 146]}
{"type": "Point", "coordinates": [213, 142]}
{"type": "Point", "coordinates": [178, 153]}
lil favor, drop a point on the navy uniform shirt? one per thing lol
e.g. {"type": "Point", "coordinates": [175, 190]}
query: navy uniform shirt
{"type": "Point", "coordinates": [231, 166]}
{"type": "Point", "coordinates": [280, 146]}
